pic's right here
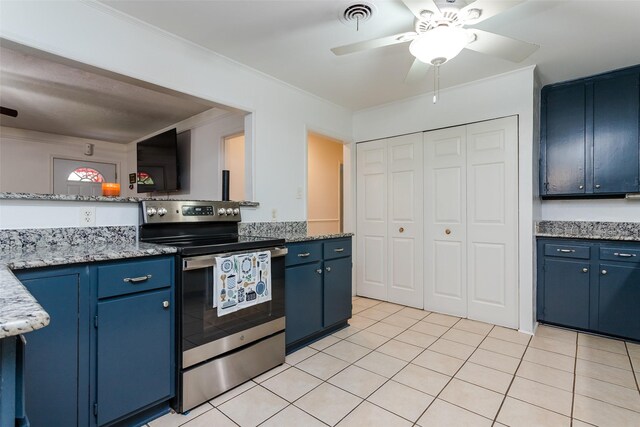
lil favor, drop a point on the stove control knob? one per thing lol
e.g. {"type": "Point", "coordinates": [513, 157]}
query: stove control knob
{"type": "Point", "coordinates": [151, 211]}
{"type": "Point", "coordinates": [162, 211]}
{"type": "Point", "coordinates": [222, 211]}
{"type": "Point", "coordinates": [229, 211]}
{"type": "Point", "coordinates": [236, 211]}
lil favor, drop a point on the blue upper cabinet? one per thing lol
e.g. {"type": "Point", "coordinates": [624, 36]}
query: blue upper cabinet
{"type": "Point", "coordinates": [589, 136]}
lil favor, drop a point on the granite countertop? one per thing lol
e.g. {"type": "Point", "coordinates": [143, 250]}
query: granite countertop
{"type": "Point", "coordinates": [596, 230]}
{"type": "Point", "coordinates": [291, 238]}
{"type": "Point", "coordinates": [19, 310]}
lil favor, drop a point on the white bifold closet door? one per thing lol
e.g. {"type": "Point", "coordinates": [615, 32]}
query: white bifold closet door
{"type": "Point", "coordinates": [390, 223]}
{"type": "Point", "coordinates": [471, 200]}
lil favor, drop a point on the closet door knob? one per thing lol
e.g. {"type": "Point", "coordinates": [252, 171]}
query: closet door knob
{"type": "Point", "coordinates": [401, 229]}
{"type": "Point", "coordinates": [447, 231]}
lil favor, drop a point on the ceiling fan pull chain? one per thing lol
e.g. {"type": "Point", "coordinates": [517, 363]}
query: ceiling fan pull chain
{"type": "Point", "coordinates": [436, 83]}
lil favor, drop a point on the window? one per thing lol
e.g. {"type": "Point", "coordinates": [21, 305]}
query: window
{"type": "Point", "coordinates": [145, 178]}
{"type": "Point", "coordinates": [84, 174]}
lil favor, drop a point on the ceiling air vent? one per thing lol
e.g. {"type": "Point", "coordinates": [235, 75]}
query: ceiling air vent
{"type": "Point", "coordinates": [357, 13]}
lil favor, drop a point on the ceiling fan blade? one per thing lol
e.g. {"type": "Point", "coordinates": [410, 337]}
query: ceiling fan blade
{"type": "Point", "coordinates": [8, 112]}
{"type": "Point", "coordinates": [417, 72]}
{"type": "Point", "coordinates": [417, 6]}
{"type": "Point", "coordinates": [488, 9]}
{"type": "Point", "coordinates": [373, 44]}
{"type": "Point", "coordinates": [503, 47]}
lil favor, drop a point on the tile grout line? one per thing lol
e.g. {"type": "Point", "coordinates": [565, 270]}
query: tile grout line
{"type": "Point", "coordinates": [575, 377]}
{"type": "Point", "coordinates": [635, 377]}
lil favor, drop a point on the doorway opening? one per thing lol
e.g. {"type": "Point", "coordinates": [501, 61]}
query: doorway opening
{"type": "Point", "coordinates": [325, 184]}
{"type": "Point", "coordinates": [234, 162]}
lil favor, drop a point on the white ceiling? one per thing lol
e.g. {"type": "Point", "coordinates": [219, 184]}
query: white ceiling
{"type": "Point", "coordinates": [290, 40]}
{"type": "Point", "coordinates": [66, 100]}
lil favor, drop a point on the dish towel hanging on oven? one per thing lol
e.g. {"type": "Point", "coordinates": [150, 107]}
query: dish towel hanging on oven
{"type": "Point", "coordinates": [241, 281]}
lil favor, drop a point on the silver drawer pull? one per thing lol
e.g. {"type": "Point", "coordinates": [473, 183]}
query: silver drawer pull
{"type": "Point", "coordinates": [624, 255]}
{"type": "Point", "coordinates": [304, 255]}
{"type": "Point", "coordinates": [566, 251]}
{"type": "Point", "coordinates": [339, 250]}
{"type": "Point", "coordinates": [137, 279]}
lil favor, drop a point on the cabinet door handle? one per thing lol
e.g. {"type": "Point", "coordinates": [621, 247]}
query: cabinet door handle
{"type": "Point", "coordinates": [597, 185]}
{"type": "Point", "coordinates": [585, 270]}
{"type": "Point", "coordinates": [135, 280]}
{"type": "Point", "coordinates": [328, 268]}
{"type": "Point", "coordinates": [581, 187]}
{"type": "Point", "coordinates": [604, 272]}
{"type": "Point", "coordinates": [319, 271]}
{"type": "Point", "coordinates": [304, 255]}
{"type": "Point", "coordinates": [624, 255]}
{"type": "Point", "coordinates": [339, 250]}
{"type": "Point", "coordinates": [165, 304]}
{"type": "Point", "coordinates": [566, 251]}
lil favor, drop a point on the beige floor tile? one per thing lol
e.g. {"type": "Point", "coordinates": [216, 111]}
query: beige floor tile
{"type": "Point", "coordinates": [328, 403]}
{"type": "Point", "coordinates": [496, 361]}
{"type": "Point", "coordinates": [551, 398]}
{"type": "Point", "coordinates": [347, 351]}
{"type": "Point", "coordinates": [603, 414]}
{"type": "Point", "coordinates": [422, 379]}
{"type": "Point", "coordinates": [485, 377]}
{"type": "Point", "coordinates": [217, 401]}
{"type": "Point", "coordinates": [602, 343]}
{"type": "Point", "coordinates": [385, 329]}
{"type": "Point", "coordinates": [360, 322]}
{"type": "Point", "coordinates": [322, 365]}
{"type": "Point", "coordinates": [607, 392]}
{"type": "Point", "coordinates": [211, 418]}
{"type": "Point", "coordinates": [299, 355]}
{"type": "Point", "coordinates": [578, 423]}
{"type": "Point", "coordinates": [400, 321]}
{"type": "Point", "coordinates": [356, 309]}
{"type": "Point", "coordinates": [549, 344]}
{"type": "Point", "coordinates": [516, 413]}
{"type": "Point", "coordinates": [381, 364]}
{"type": "Point", "coordinates": [401, 400]}
{"type": "Point", "coordinates": [559, 334]}
{"type": "Point", "coordinates": [463, 337]}
{"type": "Point", "coordinates": [429, 328]}
{"type": "Point", "coordinates": [605, 357]}
{"type": "Point", "coordinates": [546, 375]}
{"type": "Point", "coordinates": [357, 381]}
{"type": "Point", "coordinates": [635, 362]}
{"type": "Point", "coordinates": [474, 326]}
{"type": "Point", "coordinates": [444, 414]}
{"type": "Point", "coordinates": [416, 338]}
{"type": "Point", "coordinates": [173, 419]}
{"type": "Point", "coordinates": [389, 307]}
{"type": "Point", "coordinates": [368, 339]}
{"type": "Point", "coordinates": [606, 373]}
{"type": "Point", "coordinates": [370, 415]}
{"type": "Point", "coordinates": [271, 372]}
{"type": "Point", "coordinates": [291, 416]}
{"type": "Point", "coordinates": [400, 350]}
{"type": "Point", "coordinates": [346, 332]}
{"type": "Point", "coordinates": [472, 397]}
{"type": "Point", "coordinates": [438, 362]}
{"type": "Point", "coordinates": [263, 403]}
{"type": "Point", "coordinates": [547, 358]}
{"type": "Point", "coordinates": [454, 349]}
{"type": "Point", "coordinates": [291, 384]}
{"type": "Point", "coordinates": [414, 313]}
{"type": "Point", "coordinates": [367, 302]}
{"type": "Point", "coordinates": [503, 347]}
{"type": "Point", "coordinates": [441, 319]}
{"type": "Point", "coordinates": [373, 313]}
{"type": "Point", "coordinates": [324, 342]}
{"type": "Point", "coordinates": [510, 335]}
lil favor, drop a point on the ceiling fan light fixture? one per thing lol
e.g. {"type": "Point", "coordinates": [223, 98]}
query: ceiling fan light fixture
{"type": "Point", "coordinates": [439, 45]}
{"type": "Point", "coordinates": [473, 14]}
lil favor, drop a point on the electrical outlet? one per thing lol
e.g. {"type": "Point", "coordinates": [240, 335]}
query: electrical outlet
{"type": "Point", "coordinates": [87, 217]}
{"type": "Point", "coordinates": [274, 214]}
{"type": "Point", "coordinates": [299, 193]}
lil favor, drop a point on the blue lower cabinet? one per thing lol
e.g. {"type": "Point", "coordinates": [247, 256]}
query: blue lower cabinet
{"type": "Point", "coordinates": [303, 300]}
{"type": "Point", "coordinates": [619, 299]}
{"type": "Point", "coordinates": [337, 291]}
{"type": "Point", "coordinates": [565, 300]}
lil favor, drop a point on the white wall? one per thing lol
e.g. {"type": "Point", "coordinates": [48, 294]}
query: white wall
{"type": "Point", "coordinates": [591, 210]}
{"type": "Point", "coordinates": [504, 95]}
{"type": "Point", "coordinates": [91, 33]}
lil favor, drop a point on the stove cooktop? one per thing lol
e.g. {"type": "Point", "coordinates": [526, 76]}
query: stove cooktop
{"type": "Point", "coordinates": [214, 245]}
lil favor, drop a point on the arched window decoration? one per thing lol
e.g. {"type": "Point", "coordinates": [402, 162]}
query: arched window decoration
{"type": "Point", "coordinates": [145, 178]}
{"type": "Point", "coordinates": [86, 175]}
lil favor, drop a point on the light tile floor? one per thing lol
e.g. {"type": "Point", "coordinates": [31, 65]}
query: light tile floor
{"type": "Point", "coordinates": [399, 366]}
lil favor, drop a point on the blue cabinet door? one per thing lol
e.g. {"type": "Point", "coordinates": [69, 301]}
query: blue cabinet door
{"type": "Point", "coordinates": [52, 353]}
{"type": "Point", "coordinates": [337, 291]}
{"type": "Point", "coordinates": [566, 293]}
{"type": "Point", "coordinates": [134, 366]}
{"type": "Point", "coordinates": [616, 104]}
{"type": "Point", "coordinates": [618, 297]}
{"type": "Point", "coordinates": [564, 141]}
{"type": "Point", "coordinates": [303, 296]}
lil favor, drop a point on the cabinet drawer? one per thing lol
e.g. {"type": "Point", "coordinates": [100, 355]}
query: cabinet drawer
{"type": "Point", "coordinates": [337, 248]}
{"type": "Point", "coordinates": [300, 253]}
{"type": "Point", "coordinates": [133, 276]}
{"type": "Point", "coordinates": [567, 251]}
{"type": "Point", "coordinates": [623, 254]}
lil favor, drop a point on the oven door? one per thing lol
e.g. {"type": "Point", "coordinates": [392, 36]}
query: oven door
{"type": "Point", "coordinates": [204, 335]}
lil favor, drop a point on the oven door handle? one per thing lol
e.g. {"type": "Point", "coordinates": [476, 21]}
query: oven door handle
{"type": "Point", "coordinates": [205, 261]}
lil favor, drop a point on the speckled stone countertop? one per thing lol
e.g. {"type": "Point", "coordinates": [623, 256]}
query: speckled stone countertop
{"type": "Point", "coordinates": [305, 237]}
{"type": "Point", "coordinates": [23, 249]}
{"type": "Point", "coordinates": [291, 231]}
{"type": "Point", "coordinates": [596, 230]}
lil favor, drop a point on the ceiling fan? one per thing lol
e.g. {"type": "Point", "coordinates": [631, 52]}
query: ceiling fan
{"type": "Point", "coordinates": [441, 33]}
